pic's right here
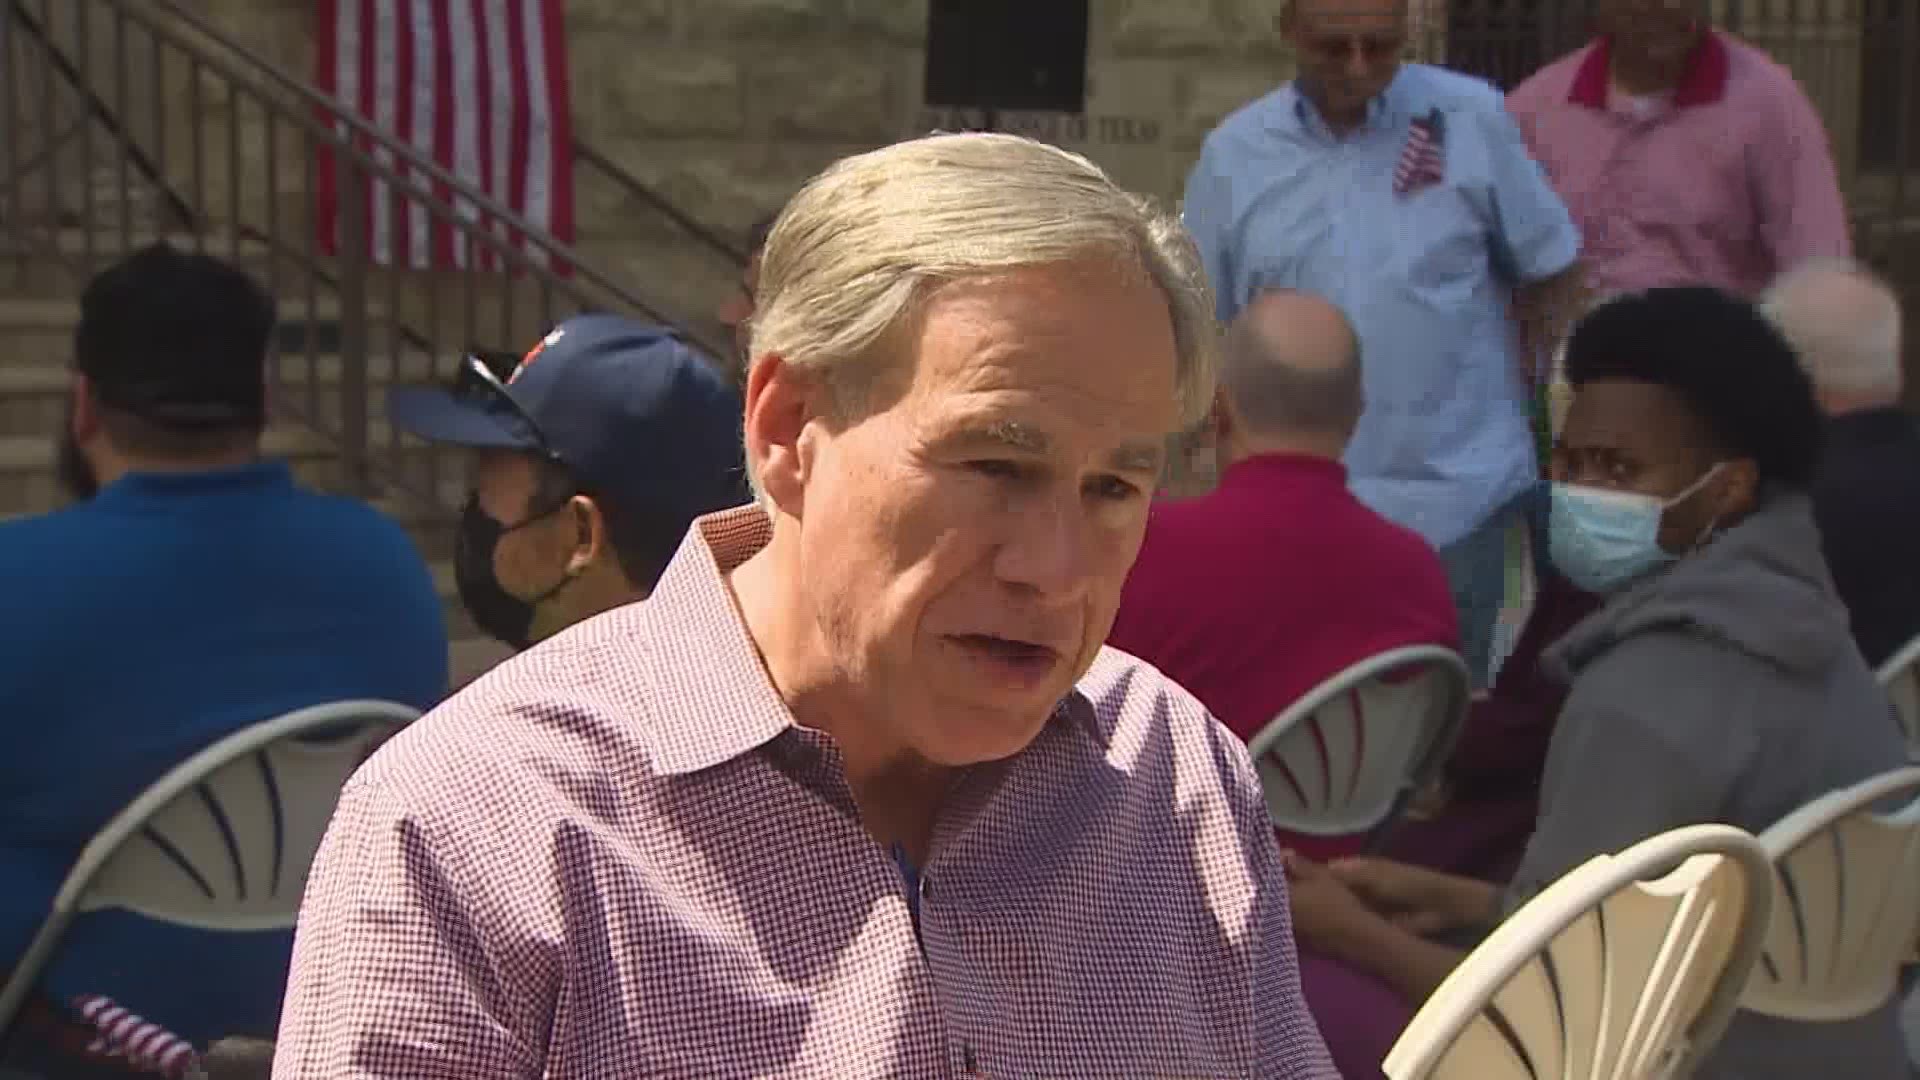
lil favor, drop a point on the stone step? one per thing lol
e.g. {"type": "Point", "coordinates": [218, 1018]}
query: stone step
{"type": "Point", "coordinates": [39, 329]}
{"type": "Point", "coordinates": [33, 396]}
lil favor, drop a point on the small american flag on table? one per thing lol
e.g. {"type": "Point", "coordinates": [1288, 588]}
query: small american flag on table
{"type": "Point", "coordinates": [1423, 160]}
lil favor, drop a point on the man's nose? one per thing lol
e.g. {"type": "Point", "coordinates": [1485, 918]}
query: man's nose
{"type": "Point", "coordinates": [1050, 551]}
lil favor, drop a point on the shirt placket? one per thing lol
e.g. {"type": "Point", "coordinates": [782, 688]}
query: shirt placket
{"type": "Point", "coordinates": [1609, 195]}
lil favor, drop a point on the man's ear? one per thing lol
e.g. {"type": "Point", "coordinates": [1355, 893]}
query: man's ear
{"type": "Point", "coordinates": [782, 403]}
{"type": "Point", "coordinates": [85, 421]}
{"type": "Point", "coordinates": [590, 540]}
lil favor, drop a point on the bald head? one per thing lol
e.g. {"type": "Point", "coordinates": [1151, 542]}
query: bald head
{"type": "Point", "coordinates": [1845, 324]}
{"type": "Point", "coordinates": [1292, 370]}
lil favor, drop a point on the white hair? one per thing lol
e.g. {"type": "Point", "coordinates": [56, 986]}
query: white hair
{"type": "Point", "coordinates": [864, 242]}
{"type": "Point", "coordinates": [1843, 321]}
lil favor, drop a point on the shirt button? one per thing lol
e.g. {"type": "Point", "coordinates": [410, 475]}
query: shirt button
{"type": "Point", "coordinates": [926, 889]}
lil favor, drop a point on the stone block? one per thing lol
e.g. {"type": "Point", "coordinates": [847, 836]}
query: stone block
{"type": "Point", "coordinates": [845, 96]}
{"type": "Point", "coordinates": [733, 20]}
{"type": "Point", "coordinates": [904, 21]}
{"type": "Point", "coordinates": [658, 93]}
{"type": "Point", "coordinates": [587, 17]}
{"type": "Point", "coordinates": [1166, 26]}
{"type": "Point", "coordinates": [1211, 93]}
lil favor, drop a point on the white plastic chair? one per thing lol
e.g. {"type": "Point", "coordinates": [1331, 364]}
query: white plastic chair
{"type": "Point", "coordinates": [1604, 975]}
{"type": "Point", "coordinates": [1343, 759]}
{"type": "Point", "coordinates": [222, 841]}
{"type": "Point", "coordinates": [1901, 676]}
{"type": "Point", "coordinates": [1846, 906]}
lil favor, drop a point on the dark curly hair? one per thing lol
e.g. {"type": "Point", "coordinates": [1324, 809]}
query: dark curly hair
{"type": "Point", "coordinates": [1722, 357]}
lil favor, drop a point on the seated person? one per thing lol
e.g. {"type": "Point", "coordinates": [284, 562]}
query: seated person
{"type": "Point", "coordinates": [592, 456]}
{"type": "Point", "coordinates": [1256, 593]}
{"type": "Point", "coordinates": [193, 590]}
{"type": "Point", "coordinates": [1477, 819]}
{"type": "Point", "coordinates": [1845, 323]}
{"type": "Point", "coordinates": [1718, 682]}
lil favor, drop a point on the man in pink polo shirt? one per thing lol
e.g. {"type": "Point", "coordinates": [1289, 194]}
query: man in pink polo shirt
{"type": "Point", "coordinates": [1685, 155]}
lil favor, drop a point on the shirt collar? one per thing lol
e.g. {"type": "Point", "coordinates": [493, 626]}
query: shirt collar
{"type": "Point", "coordinates": [1290, 467]}
{"type": "Point", "coordinates": [160, 487]}
{"type": "Point", "coordinates": [715, 698]}
{"type": "Point", "coordinates": [1704, 82]}
{"type": "Point", "coordinates": [1297, 111]}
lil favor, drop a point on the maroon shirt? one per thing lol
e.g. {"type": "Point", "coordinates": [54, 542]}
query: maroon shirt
{"type": "Point", "coordinates": [1251, 596]}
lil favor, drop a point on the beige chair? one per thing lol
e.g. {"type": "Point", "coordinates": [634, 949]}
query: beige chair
{"type": "Point", "coordinates": [1342, 760]}
{"type": "Point", "coordinates": [1604, 975]}
{"type": "Point", "coordinates": [1901, 676]}
{"type": "Point", "coordinates": [1846, 906]}
{"type": "Point", "coordinates": [224, 839]}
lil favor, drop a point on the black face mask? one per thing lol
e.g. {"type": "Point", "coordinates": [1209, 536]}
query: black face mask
{"type": "Point", "coordinates": [498, 613]}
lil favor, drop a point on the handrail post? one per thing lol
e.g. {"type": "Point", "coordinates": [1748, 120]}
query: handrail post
{"type": "Point", "coordinates": [350, 228]}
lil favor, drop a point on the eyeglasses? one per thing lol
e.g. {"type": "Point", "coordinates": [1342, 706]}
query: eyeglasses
{"type": "Point", "coordinates": [479, 384]}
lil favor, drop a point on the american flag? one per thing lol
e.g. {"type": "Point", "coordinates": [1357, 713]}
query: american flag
{"type": "Point", "coordinates": [479, 87]}
{"type": "Point", "coordinates": [1423, 159]}
{"type": "Point", "coordinates": [147, 1046]}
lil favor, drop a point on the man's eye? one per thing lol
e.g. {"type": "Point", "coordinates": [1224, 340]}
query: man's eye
{"type": "Point", "coordinates": [998, 468]}
{"type": "Point", "coordinates": [1115, 489]}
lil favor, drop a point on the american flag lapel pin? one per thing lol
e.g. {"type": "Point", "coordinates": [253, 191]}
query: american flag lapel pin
{"type": "Point", "coordinates": [1423, 158]}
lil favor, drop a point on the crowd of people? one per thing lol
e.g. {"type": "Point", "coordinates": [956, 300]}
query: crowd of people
{"type": "Point", "coordinates": [871, 716]}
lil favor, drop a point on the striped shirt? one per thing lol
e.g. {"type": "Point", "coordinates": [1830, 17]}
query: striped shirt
{"type": "Point", "coordinates": [619, 855]}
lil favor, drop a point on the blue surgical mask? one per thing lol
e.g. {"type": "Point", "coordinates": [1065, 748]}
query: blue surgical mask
{"type": "Point", "coordinates": [1604, 541]}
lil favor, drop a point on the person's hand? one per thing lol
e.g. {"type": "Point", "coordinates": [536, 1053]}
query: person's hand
{"type": "Point", "coordinates": [1421, 900]}
{"type": "Point", "coordinates": [1325, 910]}
{"type": "Point", "coordinates": [1431, 800]}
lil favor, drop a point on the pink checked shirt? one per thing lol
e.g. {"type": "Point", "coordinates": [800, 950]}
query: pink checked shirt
{"type": "Point", "coordinates": [1728, 184]}
{"type": "Point", "coordinates": [618, 856]}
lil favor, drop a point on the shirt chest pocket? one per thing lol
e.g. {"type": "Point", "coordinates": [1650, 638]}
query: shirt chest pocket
{"type": "Point", "coordinates": [1440, 246]}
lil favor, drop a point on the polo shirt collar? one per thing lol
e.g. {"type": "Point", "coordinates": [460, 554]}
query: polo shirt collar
{"type": "Point", "coordinates": [1297, 112]}
{"type": "Point", "coordinates": [1283, 467]}
{"type": "Point", "coordinates": [162, 487]}
{"type": "Point", "coordinates": [695, 643]}
{"type": "Point", "coordinates": [1704, 82]}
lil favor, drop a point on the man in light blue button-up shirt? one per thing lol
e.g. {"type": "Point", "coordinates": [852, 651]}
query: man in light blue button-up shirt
{"type": "Point", "coordinates": [1404, 194]}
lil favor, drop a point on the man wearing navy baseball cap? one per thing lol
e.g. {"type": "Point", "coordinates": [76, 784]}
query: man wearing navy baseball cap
{"type": "Point", "coordinates": [593, 455]}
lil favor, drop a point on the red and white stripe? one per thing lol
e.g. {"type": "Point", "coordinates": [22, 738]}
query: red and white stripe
{"type": "Point", "coordinates": [147, 1046]}
{"type": "Point", "coordinates": [477, 86]}
{"type": "Point", "coordinates": [1420, 161]}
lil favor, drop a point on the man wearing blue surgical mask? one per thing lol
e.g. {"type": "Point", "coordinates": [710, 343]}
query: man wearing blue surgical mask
{"type": "Point", "coordinates": [1718, 682]}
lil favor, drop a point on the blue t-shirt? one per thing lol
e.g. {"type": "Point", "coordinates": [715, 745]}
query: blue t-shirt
{"type": "Point", "coordinates": [169, 611]}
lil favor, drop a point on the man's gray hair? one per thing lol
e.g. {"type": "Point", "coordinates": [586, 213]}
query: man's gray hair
{"type": "Point", "coordinates": [1844, 321]}
{"type": "Point", "coordinates": [1276, 389]}
{"type": "Point", "coordinates": [864, 242]}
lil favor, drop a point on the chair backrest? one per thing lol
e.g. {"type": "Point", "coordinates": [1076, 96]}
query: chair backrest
{"type": "Point", "coordinates": [223, 841]}
{"type": "Point", "coordinates": [1604, 975]}
{"type": "Point", "coordinates": [1846, 905]}
{"type": "Point", "coordinates": [1901, 676]}
{"type": "Point", "coordinates": [1341, 760]}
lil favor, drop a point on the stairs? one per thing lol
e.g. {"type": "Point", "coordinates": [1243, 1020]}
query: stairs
{"type": "Point", "coordinates": [144, 122]}
{"type": "Point", "coordinates": [36, 343]}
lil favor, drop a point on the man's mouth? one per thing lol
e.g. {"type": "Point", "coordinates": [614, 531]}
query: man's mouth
{"type": "Point", "coordinates": [1009, 663]}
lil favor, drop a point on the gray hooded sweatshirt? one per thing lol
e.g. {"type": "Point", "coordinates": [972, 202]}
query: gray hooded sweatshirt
{"type": "Point", "coordinates": [1726, 688]}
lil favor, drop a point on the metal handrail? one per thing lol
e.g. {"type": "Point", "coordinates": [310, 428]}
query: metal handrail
{"type": "Point", "coordinates": [250, 176]}
{"type": "Point", "coordinates": [414, 161]}
{"type": "Point", "coordinates": [634, 186]}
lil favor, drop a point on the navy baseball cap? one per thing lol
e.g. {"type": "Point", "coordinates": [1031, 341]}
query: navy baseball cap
{"type": "Point", "coordinates": [631, 410]}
